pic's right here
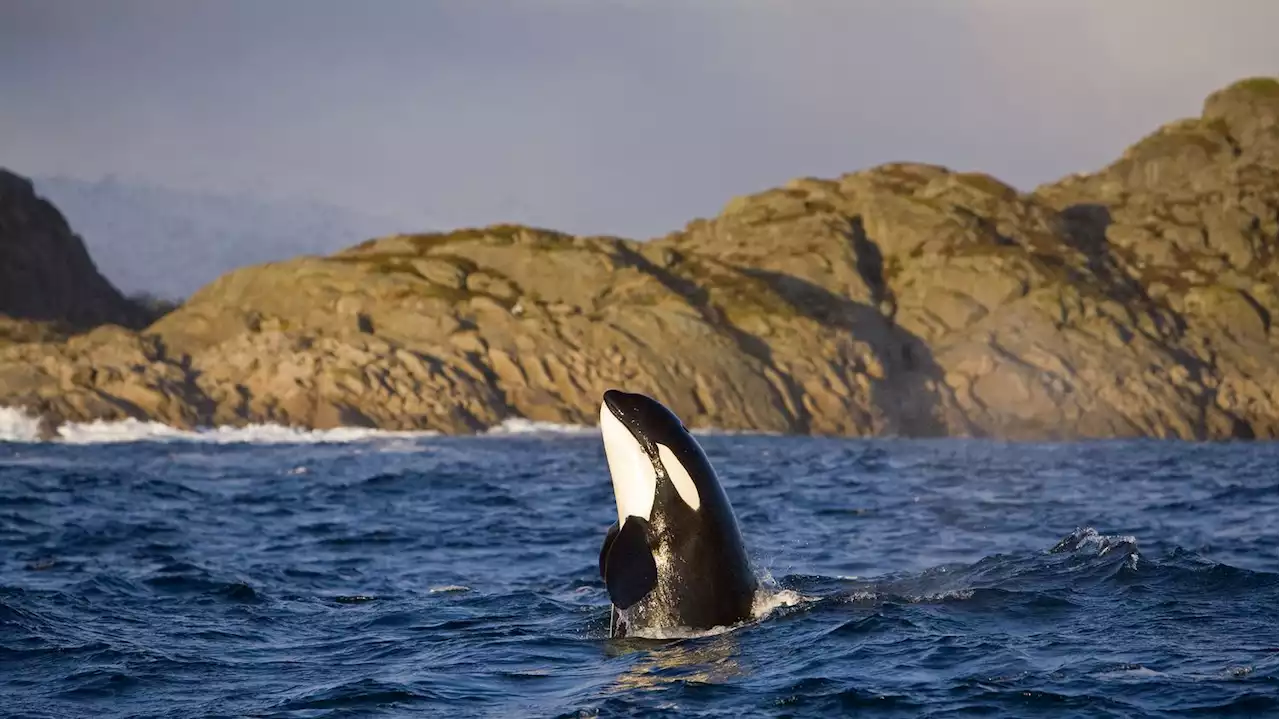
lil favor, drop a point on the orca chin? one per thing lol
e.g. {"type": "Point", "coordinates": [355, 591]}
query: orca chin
{"type": "Point", "coordinates": [675, 558]}
{"type": "Point", "coordinates": [634, 478]}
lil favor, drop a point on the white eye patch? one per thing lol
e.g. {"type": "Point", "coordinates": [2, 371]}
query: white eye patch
{"type": "Point", "coordinates": [685, 487]}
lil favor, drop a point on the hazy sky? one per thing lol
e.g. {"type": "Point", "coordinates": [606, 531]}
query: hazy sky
{"type": "Point", "coordinates": [594, 116]}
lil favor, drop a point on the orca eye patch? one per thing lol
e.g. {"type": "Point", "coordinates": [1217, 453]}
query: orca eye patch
{"type": "Point", "coordinates": [679, 476]}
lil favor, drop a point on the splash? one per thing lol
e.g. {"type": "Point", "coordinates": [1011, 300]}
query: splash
{"type": "Point", "coordinates": [766, 602]}
{"type": "Point", "coordinates": [17, 426]}
{"type": "Point", "coordinates": [769, 598]}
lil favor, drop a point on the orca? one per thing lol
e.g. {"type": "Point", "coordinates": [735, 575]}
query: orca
{"type": "Point", "coordinates": [675, 558]}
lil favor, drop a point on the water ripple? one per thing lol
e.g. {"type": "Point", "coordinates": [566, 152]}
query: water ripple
{"type": "Point", "coordinates": [409, 576]}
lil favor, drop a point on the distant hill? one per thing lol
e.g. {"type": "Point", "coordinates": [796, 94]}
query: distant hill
{"type": "Point", "coordinates": [171, 242]}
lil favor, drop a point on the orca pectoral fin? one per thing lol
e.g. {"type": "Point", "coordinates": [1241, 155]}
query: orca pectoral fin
{"type": "Point", "coordinates": [608, 542]}
{"type": "Point", "coordinates": [629, 570]}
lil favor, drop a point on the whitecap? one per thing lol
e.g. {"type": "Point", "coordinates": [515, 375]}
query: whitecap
{"type": "Point", "coordinates": [521, 425]}
{"type": "Point", "coordinates": [131, 430]}
{"type": "Point", "coordinates": [1089, 538]}
{"type": "Point", "coordinates": [18, 426]}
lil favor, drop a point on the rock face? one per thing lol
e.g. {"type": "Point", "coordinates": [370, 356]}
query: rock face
{"type": "Point", "coordinates": [906, 299]}
{"type": "Point", "coordinates": [45, 271]}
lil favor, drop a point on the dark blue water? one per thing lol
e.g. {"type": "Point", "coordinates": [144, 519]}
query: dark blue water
{"type": "Point", "coordinates": [458, 577]}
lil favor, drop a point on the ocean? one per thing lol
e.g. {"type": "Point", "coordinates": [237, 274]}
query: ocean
{"type": "Point", "coordinates": [267, 572]}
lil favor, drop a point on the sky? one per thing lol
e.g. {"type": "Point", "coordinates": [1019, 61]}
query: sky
{"type": "Point", "coordinates": [596, 116]}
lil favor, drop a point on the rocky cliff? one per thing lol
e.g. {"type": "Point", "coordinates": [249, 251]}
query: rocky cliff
{"type": "Point", "coordinates": [47, 279]}
{"type": "Point", "coordinates": [906, 299]}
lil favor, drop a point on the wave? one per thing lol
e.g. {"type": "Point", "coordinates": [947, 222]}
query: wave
{"type": "Point", "coordinates": [449, 589]}
{"type": "Point", "coordinates": [1087, 539]}
{"type": "Point", "coordinates": [520, 425]}
{"type": "Point", "coordinates": [18, 426]}
{"type": "Point", "coordinates": [132, 430]}
{"type": "Point", "coordinates": [1032, 579]}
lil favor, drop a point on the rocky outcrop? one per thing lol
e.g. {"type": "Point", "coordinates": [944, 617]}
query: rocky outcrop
{"type": "Point", "coordinates": [906, 299]}
{"type": "Point", "coordinates": [1187, 219]}
{"type": "Point", "coordinates": [108, 373]}
{"type": "Point", "coordinates": [45, 272]}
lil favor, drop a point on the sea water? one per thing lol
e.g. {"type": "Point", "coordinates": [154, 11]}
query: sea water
{"type": "Point", "coordinates": [268, 572]}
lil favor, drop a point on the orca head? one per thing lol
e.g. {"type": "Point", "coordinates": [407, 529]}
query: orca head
{"type": "Point", "coordinates": [647, 445]}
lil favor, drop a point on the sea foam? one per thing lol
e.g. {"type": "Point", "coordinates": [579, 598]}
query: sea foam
{"type": "Point", "coordinates": [17, 425]}
{"type": "Point", "coordinates": [520, 425]}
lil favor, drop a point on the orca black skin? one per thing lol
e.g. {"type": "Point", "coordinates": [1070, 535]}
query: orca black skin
{"type": "Point", "coordinates": [675, 558]}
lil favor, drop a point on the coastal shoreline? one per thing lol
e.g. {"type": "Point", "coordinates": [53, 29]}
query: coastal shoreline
{"type": "Point", "coordinates": [902, 300]}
